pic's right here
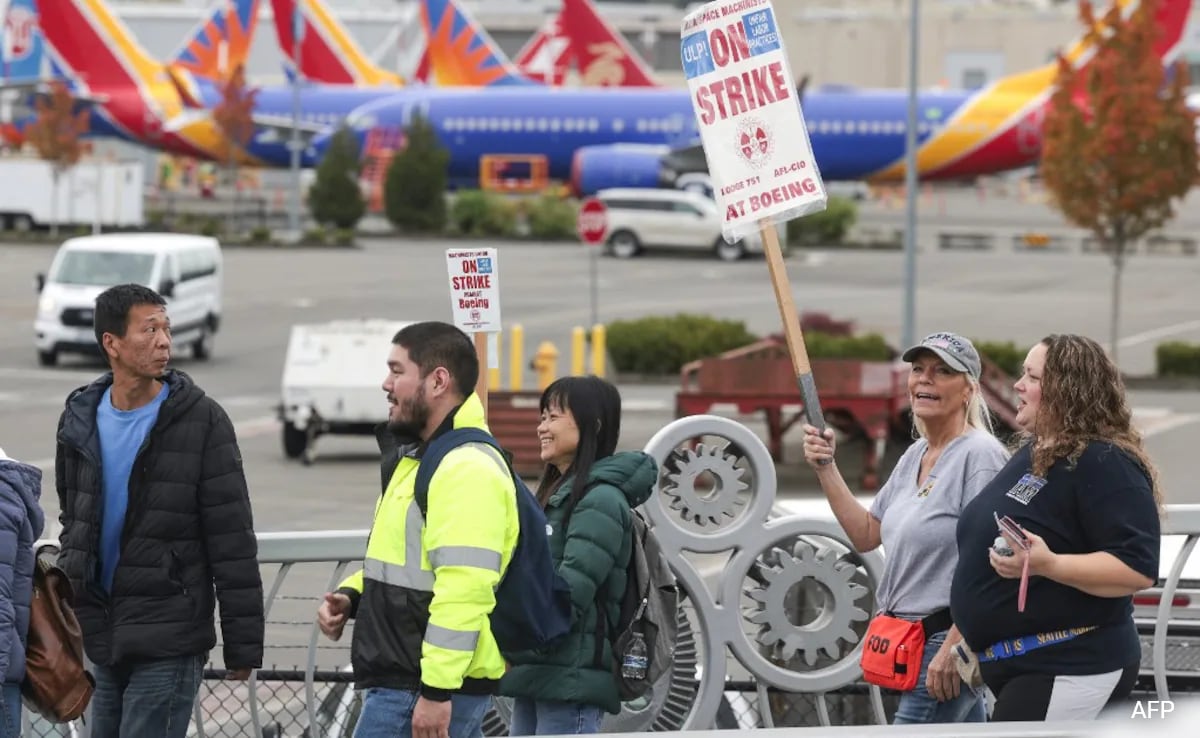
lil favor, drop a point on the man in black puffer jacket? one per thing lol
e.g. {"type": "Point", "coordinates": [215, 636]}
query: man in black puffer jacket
{"type": "Point", "coordinates": [156, 526]}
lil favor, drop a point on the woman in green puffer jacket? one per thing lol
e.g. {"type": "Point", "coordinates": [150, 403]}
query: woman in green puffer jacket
{"type": "Point", "coordinates": [566, 688]}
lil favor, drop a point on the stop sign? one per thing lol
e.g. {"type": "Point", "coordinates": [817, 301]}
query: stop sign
{"type": "Point", "coordinates": [592, 223]}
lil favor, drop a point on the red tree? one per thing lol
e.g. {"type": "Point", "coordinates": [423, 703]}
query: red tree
{"type": "Point", "coordinates": [1119, 140]}
{"type": "Point", "coordinates": [55, 135]}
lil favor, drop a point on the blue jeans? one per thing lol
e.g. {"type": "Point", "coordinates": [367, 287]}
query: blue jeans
{"type": "Point", "coordinates": [10, 710]}
{"type": "Point", "coordinates": [542, 717]}
{"type": "Point", "coordinates": [918, 706]}
{"type": "Point", "coordinates": [146, 699]}
{"type": "Point", "coordinates": [387, 713]}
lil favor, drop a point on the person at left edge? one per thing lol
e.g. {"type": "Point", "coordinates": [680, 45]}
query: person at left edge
{"type": "Point", "coordinates": [21, 521]}
{"type": "Point", "coordinates": [423, 651]}
{"type": "Point", "coordinates": [157, 527]}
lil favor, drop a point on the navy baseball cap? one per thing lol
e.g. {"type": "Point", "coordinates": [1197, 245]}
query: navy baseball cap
{"type": "Point", "coordinates": [958, 352]}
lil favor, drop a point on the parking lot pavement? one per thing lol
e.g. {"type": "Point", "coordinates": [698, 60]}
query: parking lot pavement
{"type": "Point", "coordinates": [990, 296]}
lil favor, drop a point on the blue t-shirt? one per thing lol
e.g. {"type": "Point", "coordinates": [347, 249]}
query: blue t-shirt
{"type": "Point", "coordinates": [121, 436]}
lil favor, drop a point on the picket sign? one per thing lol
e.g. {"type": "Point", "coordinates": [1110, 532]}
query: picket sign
{"type": "Point", "coordinates": [474, 276]}
{"type": "Point", "coordinates": [759, 156]}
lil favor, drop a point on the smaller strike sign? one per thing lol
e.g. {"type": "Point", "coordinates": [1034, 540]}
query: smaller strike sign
{"type": "Point", "coordinates": [474, 289]}
{"type": "Point", "coordinates": [757, 146]}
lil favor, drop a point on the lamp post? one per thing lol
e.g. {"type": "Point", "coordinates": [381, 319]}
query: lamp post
{"type": "Point", "coordinates": [294, 143]}
{"type": "Point", "coordinates": [908, 333]}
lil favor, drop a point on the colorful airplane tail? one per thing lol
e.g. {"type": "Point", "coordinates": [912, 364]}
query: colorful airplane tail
{"type": "Point", "coordinates": [602, 54]}
{"type": "Point", "coordinates": [461, 53]}
{"type": "Point", "coordinates": [326, 51]}
{"type": "Point", "coordinates": [1003, 122]}
{"type": "Point", "coordinates": [21, 46]}
{"type": "Point", "coordinates": [221, 41]}
{"type": "Point", "coordinates": [94, 46]}
{"type": "Point", "coordinates": [546, 58]}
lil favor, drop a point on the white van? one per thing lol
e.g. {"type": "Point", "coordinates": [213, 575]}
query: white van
{"type": "Point", "coordinates": [648, 217]}
{"type": "Point", "coordinates": [185, 269]}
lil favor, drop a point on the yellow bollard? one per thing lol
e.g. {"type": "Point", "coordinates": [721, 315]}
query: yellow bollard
{"type": "Point", "coordinates": [599, 349]}
{"type": "Point", "coordinates": [545, 363]}
{"type": "Point", "coordinates": [578, 350]}
{"type": "Point", "coordinates": [515, 369]}
{"type": "Point", "coordinates": [494, 374]}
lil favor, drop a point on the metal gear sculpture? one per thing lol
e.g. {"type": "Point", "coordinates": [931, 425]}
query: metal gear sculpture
{"type": "Point", "coordinates": [691, 504]}
{"type": "Point", "coordinates": [773, 554]}
{"type": "Point", "coordinates": [827, 569]}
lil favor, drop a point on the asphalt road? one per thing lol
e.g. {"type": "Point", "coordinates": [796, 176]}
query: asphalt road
{"type": "Point", "coordinates": [544, 287]}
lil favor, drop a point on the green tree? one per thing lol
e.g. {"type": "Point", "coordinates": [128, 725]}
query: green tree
{"type": "Point", "coordinates": [335, 196]}
{"type": "Point", "coordinates": [1119, 141]}
{"type": "Point", "coordinates": [415, 189]}
{"type": "Point", "coordinates": [55, 136]}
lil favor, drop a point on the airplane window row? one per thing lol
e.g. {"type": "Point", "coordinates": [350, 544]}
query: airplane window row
{"type": "Point", "coordinates": [555, 125]}
{"type": "Point", "coordinates": [885, 127]}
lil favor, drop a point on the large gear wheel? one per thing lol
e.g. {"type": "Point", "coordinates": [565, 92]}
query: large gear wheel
{"type": "Point", "coordinates": [681, 490]}
{"type": "Point", "coordinates": [832, 625]}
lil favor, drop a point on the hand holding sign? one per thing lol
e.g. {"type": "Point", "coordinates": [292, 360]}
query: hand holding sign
{"type": "Point", "coordinates": [755, 141]}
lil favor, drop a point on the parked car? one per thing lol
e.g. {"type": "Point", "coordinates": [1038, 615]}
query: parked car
{"type": "Point", "coordinates": [666, 218]}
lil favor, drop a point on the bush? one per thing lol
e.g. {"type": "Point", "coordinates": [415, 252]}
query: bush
{"type": "Point", "coordinates": [414, 192]}
{"type": "Point", "coordinates": [335, 197]}
{"type": "Point", "coordinates": [1006, 355]}
{"type": "Point", "coordinates": [479, 213]}
{"type": "Point", "coordinates": [260, 234]}
{"type": "Point", "coordinates": [662, 345]}
{"type": "Point", "coordinates": [824, 323]}
{"type": "Point", "coordinates": [1178, 359]}
{"type": "Point", "coordinates": [552, 218]}
{"type": "Point", "coordinates": [868, 347]}
{"type": "Point", "coordinates": [829, 226]}
{"type": "Point", "coordinates": [344, 237]}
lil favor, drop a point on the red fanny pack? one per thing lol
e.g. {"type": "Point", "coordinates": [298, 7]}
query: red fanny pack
{"type": "Point", "coordinates": [892, 652]}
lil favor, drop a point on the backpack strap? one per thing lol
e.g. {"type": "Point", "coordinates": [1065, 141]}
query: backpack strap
{"type": "Point", "coordinates": [437, 450]}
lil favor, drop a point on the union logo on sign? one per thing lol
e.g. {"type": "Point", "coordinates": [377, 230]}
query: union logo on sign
{"type": "Point", "coordinates": [754, 142]}
{"type": "Point", "coordinates": [19, 26]}
{"type": "Point", "coordinates": [476, 316]}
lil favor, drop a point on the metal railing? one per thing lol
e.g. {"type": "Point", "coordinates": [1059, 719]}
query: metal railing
{"type": "Point", "coordinates": [313, 697]}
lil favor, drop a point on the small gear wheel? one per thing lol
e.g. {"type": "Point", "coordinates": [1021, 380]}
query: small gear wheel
{"type": "Point", "coordinates": [684, 467]}
{"type": "Point", "coordinates": [781, 571]}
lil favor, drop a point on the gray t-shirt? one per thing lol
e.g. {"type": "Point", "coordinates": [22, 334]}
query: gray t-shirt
{"type": "Point", "coordinates": [918, 525]}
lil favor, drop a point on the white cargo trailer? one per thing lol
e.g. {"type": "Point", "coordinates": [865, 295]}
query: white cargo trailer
{"type": "Point", "coordinates": [332, 381]}
{"type": "Point", "coordinates": [108, 194]}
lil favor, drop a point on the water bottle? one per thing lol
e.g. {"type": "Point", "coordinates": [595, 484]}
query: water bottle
{"type": "Point", "coordinates": [633, 666]}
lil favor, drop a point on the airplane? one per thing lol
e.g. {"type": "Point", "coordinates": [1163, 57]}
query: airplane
{"type": "Point", "coordinates": [600, 52]}
{"type": "Point", "coordinates": [600, 138]}
{"type": "Point", "coordinates": [327, 52]}
{"type": "Point", "coordinates": [329, 55]}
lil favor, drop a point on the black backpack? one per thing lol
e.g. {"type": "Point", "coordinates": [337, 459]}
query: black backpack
{"type": "Point", "coordinates": [649, 608]}
{"type": "Point", "coordinates": [533, 603]}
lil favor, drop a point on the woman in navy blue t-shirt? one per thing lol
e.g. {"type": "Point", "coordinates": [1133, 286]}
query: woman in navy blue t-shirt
{"type": "Point", "coordinates": [1086, 496]}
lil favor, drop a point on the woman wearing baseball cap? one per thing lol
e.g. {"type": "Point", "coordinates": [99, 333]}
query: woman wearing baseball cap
{"type": "Point", "coordinates": [914, 517]}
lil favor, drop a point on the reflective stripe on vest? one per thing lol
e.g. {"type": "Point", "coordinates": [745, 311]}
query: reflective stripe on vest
{"type": "Point", "coordinates": [451, 640]}
{"type": "Point", "coordinates": [409, 574]}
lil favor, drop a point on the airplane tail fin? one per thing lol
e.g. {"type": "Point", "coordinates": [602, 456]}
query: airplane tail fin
{"type": "Point", "coordinates": [546, 57]}
{"type": "Point", "coordinates": [461, 53]}
{"type": "Point", "coordinates": [92, 44]}
{"type": "Point", "coordinates": [604, 57]}
{"type": "Point", "coordinates": [22, 57]}
{"type": "Point", "coordinates": [221, 41]}
{"type": "Point", "coordinates": [326, 51]}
